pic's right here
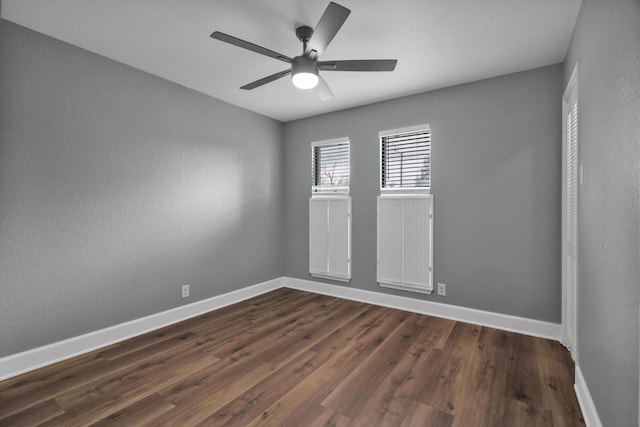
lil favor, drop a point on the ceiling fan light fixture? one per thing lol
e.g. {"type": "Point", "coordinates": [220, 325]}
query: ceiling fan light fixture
{"type": "Point", "coordinates": [305, 80]}
{"type": "Point", "coordinates": [304, 72]}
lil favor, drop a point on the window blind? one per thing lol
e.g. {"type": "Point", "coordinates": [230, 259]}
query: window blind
{"type": "Point", "coordinates": [330, 167]}
{"type": "Point", "coordinates": [406, 159]}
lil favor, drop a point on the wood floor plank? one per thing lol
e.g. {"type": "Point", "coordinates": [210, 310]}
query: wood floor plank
{"type": "Point", "coordinates": [358, 388]}
{"type": "Point", "coordinates": [394, 396]}
{"type": "Point", "coordinates": [98, 399]}
{"type": "Point", "coordinates": [294, 358]}
{"type": "Point", "coordinates": [556, 393]}
{"type": "Point", "coordinates": [141, 412]}
{"type": "Point", "coordinates": [268, 331]}
{"type": "Point", "coordinates": [443, 383]}
{"type": "Point", "coordinates": [261, 313]}
{"type": "Point", "coordinates": [361, 326]}
{"type": "Point", "coordinates": [420, 415]}
{"type": "Point", "coordinates": [39, 386]}
{"type": "Point", "coordinates": [485, 379]}
{"type": "Point", "coordinates": [256, 399]}
{"type": "Point", "coordinates": [35, 414]}
{"type": "Point", "coordinates": [522, 414]}
{"type": "Point", "coordinates": [523, 380]}
{"type": "Point", "coordinates": [319, 416]}
{"type": "Point", "coordinates": [212, 389]}
{"type": "Point", "coordinates": [435, 331]}
{"type": "Point", "coordinates": [298, 337]}
{"type": "Point", "coordinates": [291, 408]}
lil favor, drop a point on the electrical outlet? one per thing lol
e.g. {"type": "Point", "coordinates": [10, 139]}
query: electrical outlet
{"type": "Point", "coordinates": [185, 291]}
{"type": "Point", "coordinates": [442, 289]}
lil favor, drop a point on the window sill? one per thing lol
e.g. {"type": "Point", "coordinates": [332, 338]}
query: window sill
{"type": "Point", "coordinates": [404, 195]}
{"type": "Point", "coordinates": [330, 195]}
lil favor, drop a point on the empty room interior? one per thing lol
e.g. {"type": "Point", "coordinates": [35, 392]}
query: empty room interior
{"type": "Point", "coordinates": [401, 213]}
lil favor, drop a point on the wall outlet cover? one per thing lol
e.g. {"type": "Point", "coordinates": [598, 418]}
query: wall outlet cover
{"type": "Point", "coordinates": [442, 289]}
{"type": "Point", "coordinates": [185, 291]}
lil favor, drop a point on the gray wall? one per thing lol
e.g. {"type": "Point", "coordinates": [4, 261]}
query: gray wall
{"type": "Point", "coordinates": [606, 46]}
{"type": "Point", "coordinates": [116, 187]}
{"type": "Point", "coordinates": [496, 185]}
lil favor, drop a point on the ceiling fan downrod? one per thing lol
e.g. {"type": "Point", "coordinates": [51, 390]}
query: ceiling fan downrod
{"type": "Point", "coordinates": [304, 34]}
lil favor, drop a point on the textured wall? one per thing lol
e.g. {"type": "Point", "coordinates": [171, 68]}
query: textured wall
{"type": "Point", "coordinates": [496, 185]}
{"type": "Point", "coordinates": [606, 47]}
{"type": "Point", "coordinates": [116, 187]}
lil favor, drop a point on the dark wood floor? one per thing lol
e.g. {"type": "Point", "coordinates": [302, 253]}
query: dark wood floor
{"type": "Point", "coordinates": [299, 359]}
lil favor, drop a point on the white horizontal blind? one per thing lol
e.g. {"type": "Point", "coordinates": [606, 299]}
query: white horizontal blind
{"type": "Point", "coordinates": [330, 166]}
{"type": "Point", "coordinates": [405, 243]}
{"type": "Point", "coordinates": [405, 159]}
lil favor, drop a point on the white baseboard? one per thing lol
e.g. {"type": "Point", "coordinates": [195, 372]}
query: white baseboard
{"type": "Point", "coordinates": [505, 322]}
{"type": "Point", "coordinates": [587, 406]}
{"type": "Point", "coordinates": [29, 360]}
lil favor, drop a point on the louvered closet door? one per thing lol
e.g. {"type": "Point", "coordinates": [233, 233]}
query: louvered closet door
{"type": "Point", "coordinates": [571, 248]}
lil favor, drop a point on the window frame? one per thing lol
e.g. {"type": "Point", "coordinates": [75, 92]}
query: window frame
{"type": "Point", "coordinates": [337, 191]}
{"type": "Point", "coordinates": [403, 191]}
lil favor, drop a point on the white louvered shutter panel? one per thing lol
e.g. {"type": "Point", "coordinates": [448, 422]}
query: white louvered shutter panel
{"type": "Point", "coordinates": [318, 236]}
{"type": "Point", "coordinates": [417, 244]}
{"type": "Point", "coordinates": [339, 230]}
{"type": "Point", "coordinates": [330, 237]}
{"type": "Point", "coordinates": [405, 242]}
{"type": "Point", "coordinates": [390, 240]}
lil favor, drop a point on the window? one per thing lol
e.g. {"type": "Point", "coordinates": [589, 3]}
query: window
{"type": "Point", "coordinates": [330, 166]}
{"type": "Point", "coordinates": [405, 220]}
{"type": "Point", "coordinates": [405, 160]}
{"type": "Point", "coordinates": [330, 211]}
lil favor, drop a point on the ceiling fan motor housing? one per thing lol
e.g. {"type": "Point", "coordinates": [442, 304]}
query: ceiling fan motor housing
{"type": "Point", "coordinates": [304, 64]}
{"type": "Point", "coordinates": [304, 72]}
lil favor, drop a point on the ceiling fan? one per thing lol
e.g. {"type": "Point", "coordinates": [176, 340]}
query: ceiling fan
{"type": "Point", "coordinates": [305, 68]}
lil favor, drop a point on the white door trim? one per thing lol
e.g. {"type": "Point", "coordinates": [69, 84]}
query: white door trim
{"type": "Point", "coordinates": [570, 277]}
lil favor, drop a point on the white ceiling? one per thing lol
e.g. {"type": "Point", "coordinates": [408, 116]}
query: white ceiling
{"type": "Point", "coordinates": [438, 43]}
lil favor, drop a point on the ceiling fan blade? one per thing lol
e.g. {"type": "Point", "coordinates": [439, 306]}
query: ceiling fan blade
{"type": "Point", "coordinates": [323, 90]}
{"type": "Point", "coordinates": [359, 65]}
{"type": "Point", "coordinates": [265, 80]}
{"type": "Point", "coordinates": [329, 24]}
{"type": "Point", "coordinates": [249, 46]}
